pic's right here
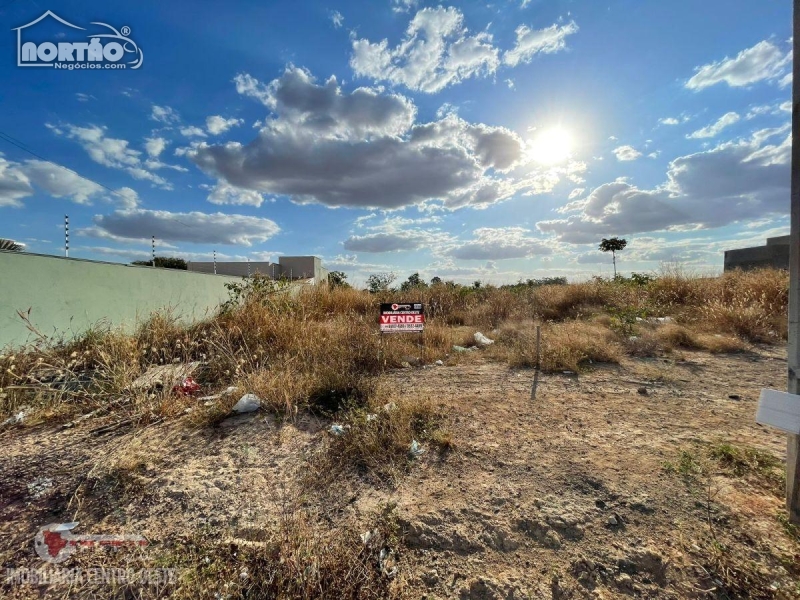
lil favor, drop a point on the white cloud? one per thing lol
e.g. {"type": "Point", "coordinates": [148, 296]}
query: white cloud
{"type": "Point", "coordinates": [576, 193]}
{"type": "Point", "coordinates": [14, 184]}
{"type": "Point", "coordinates": [531, 42]}
{"type": "Point", "coordinates": [362, 149]}
{"type": "Point", "coordinates": [786, 81]}
{"type": "Point", "coordinates": [192, 131]}
{"type": "Point", "coordinates": [110, 152]}
{"type": "Point", "coordinates": [155, 146]}
{"type": "Point", "coordinates": [336, 18]}
{"type": "Point", "coordinates": [761, 62]}
{"type": "Point", "coordinates": [500, 243]}
{"type": "Point", "coordinates": [769, 109]}
{"type": "Point", "coordinates": [20, 180]}
{"type": "Point", "coordinates": [716, 128]}
{"type": "Point", "coordinates": [437, 51]}
{"type": "Point", "coordinates": [511, 85]}
{"type": "Point", "coordinates": [736, 181]}
{"type": "Point", "coordinates": [164, 114]}
{"type": "Point", "coordinates": [403, 6]}
{"type": "Point", "coordinates": [396, 234]}
{"type": "Point", "coordinates": [194, 227]}
{"type": "Point", "coordinates": [217, 124]}
{"type": "Point", "coordinates": [626, 153]}
{"type": "Point", "coordinates": [224, 193]}
{"type": "Point", "coordinates": [669, 121]}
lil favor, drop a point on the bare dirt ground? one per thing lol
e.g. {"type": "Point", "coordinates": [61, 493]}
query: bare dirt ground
{"type": "Point", "coordinates": [605, 486]}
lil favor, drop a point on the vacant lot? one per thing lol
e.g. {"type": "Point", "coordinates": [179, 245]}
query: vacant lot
{"type": "Point", "coordinates": [638, 472]}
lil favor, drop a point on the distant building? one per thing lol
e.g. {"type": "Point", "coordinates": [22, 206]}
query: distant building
{"type": "Point", "coordinates": [288, 267]}
{"type": "Point", "coordinates": [775, 254]}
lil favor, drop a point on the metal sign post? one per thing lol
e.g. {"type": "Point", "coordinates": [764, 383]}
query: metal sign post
{"type": "Point", "coordinates": [793, 449]}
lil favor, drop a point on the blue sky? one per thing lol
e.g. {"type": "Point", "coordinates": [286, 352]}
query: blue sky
{"type": "Point", "coordinates": [472, 140]}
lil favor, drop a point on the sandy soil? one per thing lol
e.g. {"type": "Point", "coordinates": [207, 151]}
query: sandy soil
{"type": "Point", "coordinates": [565, 496]}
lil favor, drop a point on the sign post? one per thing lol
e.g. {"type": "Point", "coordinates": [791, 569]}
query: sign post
{"type": "Point", "coordinates": [793, 448]}
{"type": "Point", "coordinates": [403, 317]}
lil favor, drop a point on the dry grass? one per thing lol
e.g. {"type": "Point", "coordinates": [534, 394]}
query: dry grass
{"type": "Point", "coordinates": [320, 349]}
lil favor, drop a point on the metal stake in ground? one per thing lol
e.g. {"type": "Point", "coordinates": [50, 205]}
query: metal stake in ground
{"type": "Point", "coordinates": [538, 362]}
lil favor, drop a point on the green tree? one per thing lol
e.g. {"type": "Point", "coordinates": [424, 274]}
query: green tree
{"type": "Point", "coordinates": [436, 280]}
{"type": "Point", "coordinates": [164, 262]}
{"type": "Point", "coordinates": [613, 245]}
{"type": "Point", "coordinates": [379, 282]}
{"type": "Point", "coordinates": [413, 282]}
{"type": "Point", "coordinates": [338, 279]}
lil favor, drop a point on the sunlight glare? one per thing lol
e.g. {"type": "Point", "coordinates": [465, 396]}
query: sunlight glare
{"type": "Point", "coordinates": [551, 146]}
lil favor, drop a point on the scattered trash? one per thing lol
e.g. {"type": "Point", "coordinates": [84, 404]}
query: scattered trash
{"type": "Point", "coordinates": [463, 349]}
{"type": "Point", "coordinates": [656, 320]}
{"type": "Point", "coordinates": [568, 372]}
{"type": "Point", "coordinates": [368, 536]}
{"type": "Point", "coordinates": [405, 365]}
{"type": "Point", "coordinates": [227, 391]}
{"type": "Point", "coordinates": [39, 487]}
{"type": "Point", "coordinates": [416, 449]}
{"type": "Point", "coordinates": [165, 375]}
{"type": "Point", "coordinates": [187, 387]}
{"type": "Point", "coordinates": [633, 338]}
{"type": "Point", "coordinates": [16, 418]}
{"type": "Point", "coordinates": [337, 429]}
{"type": "Point", "coordinates": [482, 340]}
{"type": "Point", "coordinates": [247, 403]}
{"type": "Point", "coordinates": [734, 396]}
{"type": "Point", "coordinates": [439, 363]}
{"type": "Point", "coordinates": [371, 417]}
{"type": "Point", "coordinates": [642, 391]}
{"type": "Point", "coordinates": [387, 563]}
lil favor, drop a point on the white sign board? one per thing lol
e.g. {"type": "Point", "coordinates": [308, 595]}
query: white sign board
{"type": "Point", "coordinates": [780, 410]}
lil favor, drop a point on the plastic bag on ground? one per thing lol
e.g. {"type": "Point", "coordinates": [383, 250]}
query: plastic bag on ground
{"type": "Point", "coordinates": [247, 403]}
{"type": "Point", "coordinates": [482, 340]}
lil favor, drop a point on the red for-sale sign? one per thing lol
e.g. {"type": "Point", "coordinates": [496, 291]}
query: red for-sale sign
{"type": "Point", "coordinates": [402, 317]}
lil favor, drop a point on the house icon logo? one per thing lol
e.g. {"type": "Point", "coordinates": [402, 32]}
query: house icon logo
{"type": "Point", "coordinates": [106, 49]}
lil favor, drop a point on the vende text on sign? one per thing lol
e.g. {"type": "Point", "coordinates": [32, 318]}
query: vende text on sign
{"type": "Point", "coordinates": [399, 317]}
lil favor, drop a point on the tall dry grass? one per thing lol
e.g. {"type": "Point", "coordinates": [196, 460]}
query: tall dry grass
{"type": "Point", "coordinates": [320, 348]}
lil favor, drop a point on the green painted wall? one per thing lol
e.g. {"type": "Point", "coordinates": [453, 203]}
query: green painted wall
{"type": "Point", "coordinates": [68, 295]}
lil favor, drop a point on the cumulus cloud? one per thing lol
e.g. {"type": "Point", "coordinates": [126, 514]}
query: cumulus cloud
{"type": "Point", "coordinates": [716, 128]}
{"type": "Point", "coordinates": [736, 181]}
{"type": "Point", "coordinates": [155, 146]}
{"type": "Point", "coordinates": [110, 152]}
{"type": "Point", "coordinates": [192, 131]}
{"type": "Point", "coordinates": [164, 114]}
{"type": "Point", "coordinates": [194, 227]}
{"type": "Point", "coordinates": [223, 193]}
{"type": "Point", "coordinates": [20, 180]}
{"type": "Point", "coordinates": [669, 121]}
{"type": "Point", "coordinates": [500, 243]}
{"type": "Point", "coordinates": [403, 6]}
{"type": "Point", "coordinates": [626, 153]}
{"type": "Point", "coordinates": [763, 61]}
{"type": "Point", "coordinates": [531, 42]}
{"type": "Point", "coordinates": [437, 51]}
{"type": "Point", "coordinates": [217, 124]}
{"type": "Point", "coordinates": [362, 149]}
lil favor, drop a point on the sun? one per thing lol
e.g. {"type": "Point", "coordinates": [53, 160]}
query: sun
{"type": "Point", "coordinates": [551, 146]}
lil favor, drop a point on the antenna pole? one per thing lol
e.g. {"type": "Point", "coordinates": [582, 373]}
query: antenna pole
{"type": "Point", "coordinates": [66, 236]}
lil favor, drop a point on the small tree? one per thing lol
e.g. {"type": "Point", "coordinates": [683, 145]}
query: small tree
{"type": "Point", "coordinates": [338, 279]}
{"type": "Point", "coordinates": [414, 281]}
{"type": "Point", "coordinates": [613, 245]}
{"type": "Point", "coordinates": [436, 280]}
{"type": "Point", "coordinates": [164, 262]}
{"type": "Point", "coordinates": [379, 282]}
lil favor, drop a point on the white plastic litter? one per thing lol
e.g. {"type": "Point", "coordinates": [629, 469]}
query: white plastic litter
{"type": "Point", "coordinates": [16, 418]}
{"type": "Point", "coordinates": [247, 403]}
{"type": "Point", "coordinates": [387, 563]}
{"type": "Point", "coordinates": [371, 417]}
{"type": "Point", "coordinates": [439, 363]}
{"type": "Point", "coordinates": [482, 340]}
{"type": "Point", "coordinates": [337, 429]}
{"type": "Point", "coordinates": [416, 449]}
{"type": "Point", "coordinates": [227, 391]}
